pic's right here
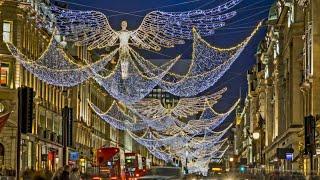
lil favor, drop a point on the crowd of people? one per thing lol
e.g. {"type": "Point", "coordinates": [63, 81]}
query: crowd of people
{"type": "Point", "coordinates": [63, 173]}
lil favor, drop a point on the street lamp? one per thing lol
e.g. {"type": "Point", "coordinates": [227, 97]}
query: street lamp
{"type": "Point", "coordinates": [231, 165]}
{"type": "Point", "coordinates": [256, 135]}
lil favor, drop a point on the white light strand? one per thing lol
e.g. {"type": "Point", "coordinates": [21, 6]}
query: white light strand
{"type": "Point", "coordinates": [208, 65]}
{"type": "Point", "coordinates": [158, 29]}
{"type": "Point", "coordinates": [134, 86]}
{"type": "Point", "coordinates": [56, 68]}
{"type": "Point", "coordinates": [153, 108]}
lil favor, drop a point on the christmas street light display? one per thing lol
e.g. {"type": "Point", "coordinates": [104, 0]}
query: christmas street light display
{"type": "Point", "coordinates": [55, 67]}
{"type": "Point", "coordinates": [208, 65]}
{"type": "Point", "coordinates": [118, 119]}
{"type": "Point", "coordinates": [134, 77]}
{"type": "Point", "coordinates": [158, 29]}
{"type": "Point", "coordinates": [157, 128]}
{"type": "Point", "coordinates": [170, 125]}
{"type": "Point", "coordinates": [196, 151]}
{"type": "Point", "coordinates": [201, 163]}
{"type": "Point", "coordinates": [126, 82]}
{"type": "Point", "coordinates": [153, 139]}
{"type": "Point", "coordinates": [211, 118]}
{"type": "Point", "coordinates": [172, 138]}
{"type": "Point", "coordinates": [198, 126]}
{"type": "Point", "coordinates": [201, 149]}
{"type": "Point", "coordinates": [153, 108]}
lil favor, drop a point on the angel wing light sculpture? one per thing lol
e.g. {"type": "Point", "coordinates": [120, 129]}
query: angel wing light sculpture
{"type": "Point", "coordinates": [158, 29]}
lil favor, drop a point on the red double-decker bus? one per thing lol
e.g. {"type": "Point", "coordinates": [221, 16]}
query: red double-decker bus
{"type": "Point", "coordinates": [110, 163]}
{"type": "Point", "coordinates": [134, 167]}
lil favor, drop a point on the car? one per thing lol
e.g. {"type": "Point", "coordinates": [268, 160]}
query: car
{"type": "Point", "coordinates": [163, 173]}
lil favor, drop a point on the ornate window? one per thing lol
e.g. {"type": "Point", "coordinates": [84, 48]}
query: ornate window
{"type": "Point", "coordinates": [7, 31]}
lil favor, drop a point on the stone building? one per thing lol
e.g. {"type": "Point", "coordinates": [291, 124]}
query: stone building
{"type": "Point", "coordinates": [310, 79]}
{"type": "Point", "coordinates": [283, 85]}
{"type": "Point", "coordinates": [43, 147]}
{"type": "Point", "coordinates": [275, 85]}
{"type": "Point", "coordinates": [242, 138]}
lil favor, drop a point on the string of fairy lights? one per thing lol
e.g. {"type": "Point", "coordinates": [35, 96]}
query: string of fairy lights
{"type": "Point", "coordinates": [187, 130]}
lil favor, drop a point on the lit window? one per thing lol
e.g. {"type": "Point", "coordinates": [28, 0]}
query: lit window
{"type": "Point", "coordinates": [4, 74]}
{"type": "Point", "coordinates": [7, 31]}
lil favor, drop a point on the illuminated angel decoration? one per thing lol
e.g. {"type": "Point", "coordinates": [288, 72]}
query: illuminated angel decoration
{"type": "Point", "coordinates": [167, 124]}
{"type": "Point", "coordinates": [158, 29]}
{"type": "Point", "coordinates": [129, 82]}
{"type": "Point", "coordinates": [153, 108]}
{"type": "Point", "coordinates": [134, 77]}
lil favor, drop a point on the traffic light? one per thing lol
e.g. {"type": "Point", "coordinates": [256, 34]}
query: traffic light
{"type": "Point", "coordinates": [67, 120]}
{"type": "Point", "coordinates": [309, 134]}
{"type": "Point", "coordinates": [242, 169]}
{"type": "Point", "coordinates": [25, 111]}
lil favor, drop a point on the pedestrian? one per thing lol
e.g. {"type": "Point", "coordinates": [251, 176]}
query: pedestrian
{"type": "Point", "coordinates": [75, 174]}
{"type": "Point", "coordinates": [27, 174]}
{"type": "Point", "coordinates": [47, 173]}
{"type": "Point", "coordinates": [38, 176]}
{"type": "Point", "coordinates": [65, 173]}
{"type": "Point", "coordinates": [57, 174]}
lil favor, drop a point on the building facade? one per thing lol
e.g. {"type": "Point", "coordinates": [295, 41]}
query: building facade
{"type": "Point", "coordinates": [43, 148]}
{"type": "Point", "coordinates": [283, 87]}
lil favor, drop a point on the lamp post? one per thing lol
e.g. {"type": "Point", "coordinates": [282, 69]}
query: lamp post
{"type": "Point", "coordinates": [256, 135]}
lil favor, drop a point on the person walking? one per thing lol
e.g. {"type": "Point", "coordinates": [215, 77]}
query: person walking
{"type": "Point", "coordinates": [65, 173]}
{"type": "Point", "coordinates": [57, 174]}
{"type": "Point", "coordinates": [75, 174]}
